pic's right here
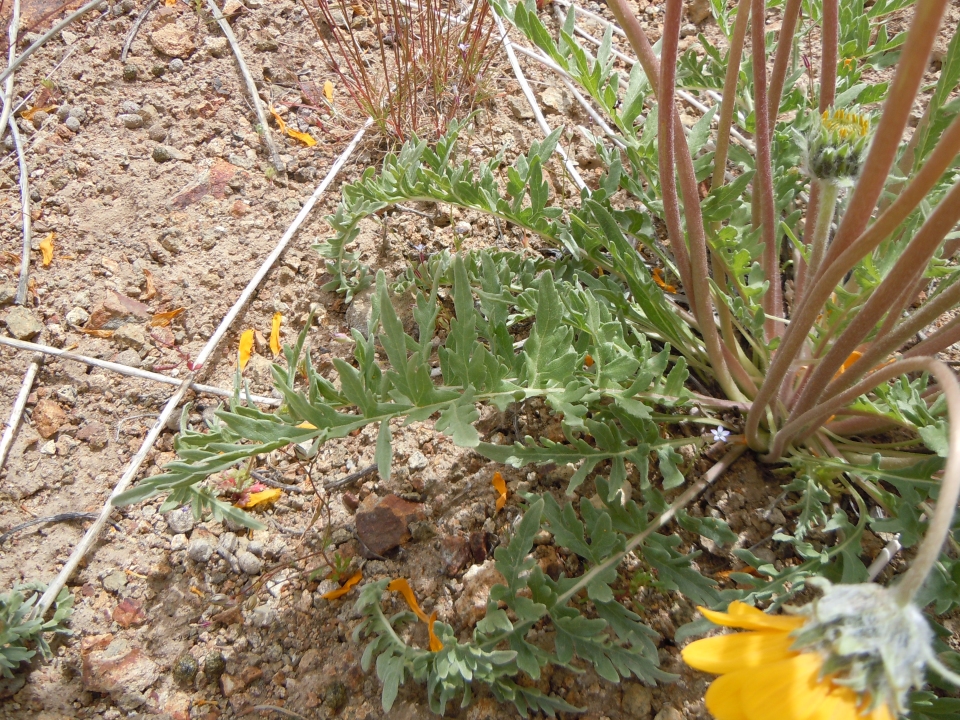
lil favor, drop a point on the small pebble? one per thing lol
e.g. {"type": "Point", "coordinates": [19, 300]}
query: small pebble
{"type": "Point", "coordinates": [157, 133]}
{"type": "Point", "coordinates": [180, 520]}
{"type": "Point", "coordinates": [249, 563]}
{"type": "Point", "coordinates": [158, 70]}
{"type": "Point", "coordinates": [131, 121]}
{"type": "Point", "coordinates": [178, 542]}
{"type": "Point", "coordinates": [63, 112]}
{"type": "Point", "coordinates": [79, 113]}
{"type": "Point", "coordinates": [200, 549]}
{"type": "Point", "coordinates": [462, 228]}
{"type": "Point", "coordinates": [161, 154]}
{"type": "Point", "coordinates": [264, 616]}
{"type": "Point", "coordinates": [39, 118]}
{"type": "Point", "coordinates": [176, 65]}
{"type": "Point", "coordinates": [73, 125]}
{"type": "Point", "coordinates": [228, 542]}
{"type": "Point", "coordinates": [130, 72]}
{"type": "Point", "coordinates": [129, 107]}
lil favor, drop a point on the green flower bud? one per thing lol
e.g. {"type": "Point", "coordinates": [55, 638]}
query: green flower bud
{"type": "Point", "coordinates": [837, 145]}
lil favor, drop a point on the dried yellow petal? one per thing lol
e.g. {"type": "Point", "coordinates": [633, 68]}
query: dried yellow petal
{"type": "Point", "coordinates": [435, 644]}
{"type": "Point", "coordinates": [275, 334]}
{"type": "Point", "coordinates": [162, 319]}
{"type": "Point", "coordinates": [401, 586]}
{"type": "Point", "coordinates": [46, 249]}
{"type": "Point", "coordinates": [501, 487]}
{"type": "Point", "coordinates": [280, 123]}
{"type": "Point", "coordinates": [246, 349]}
{"type": "Point", "coordinates": [302, 137]}
{"type": "Point", "coordinates": [341, 591]}
{"type": "Point", "coordinates": [328, 91]}
{"type": "Point", "coordinates": [263, 497]}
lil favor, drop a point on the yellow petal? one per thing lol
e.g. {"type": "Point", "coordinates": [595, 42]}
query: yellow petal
{"type": "Point", "coordinates": [729, 653]}
{"type": "Point", "coordinates": [307, 426]}
{"type": "Point", "coordinates": [162, 319]}
{"type": "Point", "coordinates": [328, 91]}
{"type": "Point", "coordinates": [882, 712]}
{"type": "Point", "coordinates": [264, 496]}
{"type": "Point", "coordinates": [786, 690]}
{"type": "Point", "coordinates": [741, 615]}
{"type": "Point", "coordinates": [501, 487]}
{"type": "Point", "coordinates": [401, 586]}
{"type": "Point", "coordinates": [341, 591]}
{"type": "Point", "coordinates": [280, 123]}
{"type": "Point", "coordinates": [435, 644]}
{"type": "Point", "coordinates": [302, 137]}
{"type": "Point", "coordinates": [275, 334]}
{"type": "Point", "coordinates": [723, 698]}
{"type": "Point", "coordinates": [246, 349]}
{"type": "Point", "coordinates": [46, 249]}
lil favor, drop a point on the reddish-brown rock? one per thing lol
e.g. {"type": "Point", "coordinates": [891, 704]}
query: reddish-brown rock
{"type": "Point", "coordinates": [115, 666]}
{"type": "Point", "coordinates": [117, 310]}
{"type": "Point", "coordinates": [48, 417]}
{"type": "Point", "coordinates": [382, 526]}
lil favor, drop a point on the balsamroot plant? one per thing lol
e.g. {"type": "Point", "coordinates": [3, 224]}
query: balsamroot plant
{"type": "Point", "coordinates": [782, 266]}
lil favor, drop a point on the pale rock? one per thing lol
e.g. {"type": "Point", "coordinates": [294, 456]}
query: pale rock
{"type": "Point", "coordinates": [173, 40]}
{"type": "Point", "coordinates": [77, 317]}
{"type": "Point", "coordinates": [555, 99]}
{"type": "Point", "coordinates": [22, 323]}
{"type": "Point", "coordinates": [519, 108]}
{"type": "Point", "coordinates": [471, 606]}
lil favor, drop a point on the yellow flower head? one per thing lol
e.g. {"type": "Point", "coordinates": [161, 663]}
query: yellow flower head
{"type": "Point", "coordinates": [837, 145]}
{"type": "Point", "coordinates": [854, 654]}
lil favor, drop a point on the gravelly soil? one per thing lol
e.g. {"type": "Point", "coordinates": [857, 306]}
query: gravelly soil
{"type": "Point", "coordinates": [155, 182]}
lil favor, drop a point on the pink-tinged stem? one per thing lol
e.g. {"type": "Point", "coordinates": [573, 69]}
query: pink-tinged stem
{"type": "Point", "coordinates": [676, 150]}
{"type": "Point", "coordinates": [829, 40]}
{"type": "Point", "coordinates": [919, 251]}
{"type": "Point", "coordinates": [896, 112]}
{"type": "Point", "coordinates": [837, 263]}
{"type": "Point", "coordinates": [729, 103]}
{"type": "Point", "coordinates": [781, 61]}
{"type": "Point", "coordinates": [763, 181]}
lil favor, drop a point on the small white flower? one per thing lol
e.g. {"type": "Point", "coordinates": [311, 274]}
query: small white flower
{"type": "Point", "coordinates": [720, 434]}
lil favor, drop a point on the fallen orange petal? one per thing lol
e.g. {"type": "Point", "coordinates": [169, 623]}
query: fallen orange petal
{"type": "Point", "coordinates": [588, 360]}
{"type": "Point", "coordinates": [246, 349]}
{"type": "Point", "coordinates": [162, 319]}
{"type": "Point", "coordinates": [401, 586]}
{"type": "Point", "coordinates": [341, 591]}
{"type": "Point", "coordinates": [435, 644]}
{"type": "Point", "coordinates": [275, 334]}
{"type": "Point", "coordinates": [264, 496]}
{"type": "Point", "coordinates": [46, 249]}
{"type": "Point", "coordinates": [501, 488]}
{"type": "Point", "coordinates": [280, 123]}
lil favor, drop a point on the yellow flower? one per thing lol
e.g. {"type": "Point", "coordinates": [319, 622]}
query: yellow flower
{"type": "Point", "coordinates": [763, 678]}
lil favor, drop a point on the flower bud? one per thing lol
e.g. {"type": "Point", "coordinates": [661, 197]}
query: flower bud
{"type": "Point", "coordinates": [837, 145]}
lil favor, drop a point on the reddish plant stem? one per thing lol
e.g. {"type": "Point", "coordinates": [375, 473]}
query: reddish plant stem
{"type": "Point", "coordinates": [917, 253]}
{"type": "Point", "coordinates": [763, 181]}
{"type": "Point", "coordinates": [893, 121]}
{"type": "Point", "coordinates": [906, 81]}
{"type": "Point", "coordinates": [788, 27]}
{"type": "Point", "coordinates": [829, 41]}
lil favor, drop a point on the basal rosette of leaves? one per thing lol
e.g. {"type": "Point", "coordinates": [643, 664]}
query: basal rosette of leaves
{"type": "Point", "coordinates": [793, 291]}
